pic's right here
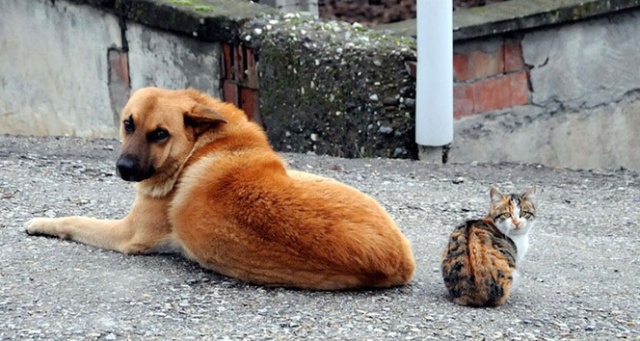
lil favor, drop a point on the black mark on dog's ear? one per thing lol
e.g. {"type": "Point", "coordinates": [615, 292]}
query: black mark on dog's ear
{"type": "Point", "coordinates": [202, 119]}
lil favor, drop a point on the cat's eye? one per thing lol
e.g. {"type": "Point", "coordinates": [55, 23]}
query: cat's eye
{"type": "Point", "coordinates": [504, 216]}
{"type": "Point", "coordinates": [158, 135]}
{"type": "Point", "coordinates": [527, 214]}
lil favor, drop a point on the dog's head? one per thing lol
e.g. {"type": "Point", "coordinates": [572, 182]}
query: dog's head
{"type": "Point", "coordinates": [158, 130]}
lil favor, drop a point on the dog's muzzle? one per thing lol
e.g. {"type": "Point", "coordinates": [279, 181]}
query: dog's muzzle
{"type": "Point", "coordinates": [129, 169]}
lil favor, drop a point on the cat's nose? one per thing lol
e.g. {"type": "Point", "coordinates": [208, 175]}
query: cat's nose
{"type": "Point", "coordinates": [517, 222]}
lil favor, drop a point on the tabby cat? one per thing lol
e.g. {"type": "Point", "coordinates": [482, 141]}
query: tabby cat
{"type": "Point", "coordinates": [479, 262]}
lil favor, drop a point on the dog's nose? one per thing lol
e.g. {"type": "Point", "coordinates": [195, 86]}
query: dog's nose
{"type": "Point", "coordinates": [126, 168]}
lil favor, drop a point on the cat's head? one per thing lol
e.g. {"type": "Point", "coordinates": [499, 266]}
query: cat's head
{"type": "Point", "coordinates": [513, 214]}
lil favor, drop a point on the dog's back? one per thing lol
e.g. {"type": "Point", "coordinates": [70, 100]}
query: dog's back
{"type": "Point", "coordinates": [238, 211]}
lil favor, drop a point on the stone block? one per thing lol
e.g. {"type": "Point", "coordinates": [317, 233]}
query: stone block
{"type": "Point", "coordinates": [321, 92]}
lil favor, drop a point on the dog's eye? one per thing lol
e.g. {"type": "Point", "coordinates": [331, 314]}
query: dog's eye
{"type": "Point", "coordinates": [158, 135]}
{"type": "Point", "coordinates": [128, 125]}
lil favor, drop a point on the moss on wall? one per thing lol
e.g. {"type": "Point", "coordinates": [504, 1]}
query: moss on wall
{"type": "Point", "coordinates": [334, 88]}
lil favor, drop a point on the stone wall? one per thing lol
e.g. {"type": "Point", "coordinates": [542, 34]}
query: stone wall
{"type": "Point", "coordinates": [54, 68]}
{"type": "Point", "coordinates": [67, 67]}
{"type": "Point", "coordinates": [582, 107]}
{"type": "Point", "coordinates": [554, 82]}
{"type": "Point", "coordinates": [334, 88]}
{"type": "Point", "coordinates": [533, 81]}
{"type": "Point", "coordinates": [489, 75]}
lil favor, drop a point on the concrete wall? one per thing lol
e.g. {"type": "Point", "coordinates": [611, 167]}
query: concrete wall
{"type": "Point", "coordinates": [603, 137]}
{"type": "Point", "coordinates": [57, 67]}
{"type": "Point", "coordinates": [583, 109]}
{"type": "Point", "coordinates": [167, 60]}
{"type": "Point", "coordinates": [54, 68]}
{"type": "Point", "coordinates": [585, 64]}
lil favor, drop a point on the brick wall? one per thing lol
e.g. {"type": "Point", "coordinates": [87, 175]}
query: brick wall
{"type": "Point", "coordinates": [489, 77]}
{"type": "Point", "coordinates": [240, 79]}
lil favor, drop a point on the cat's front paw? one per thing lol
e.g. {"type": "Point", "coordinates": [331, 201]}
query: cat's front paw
{"type": "Point", "coordinates": [41, 227]}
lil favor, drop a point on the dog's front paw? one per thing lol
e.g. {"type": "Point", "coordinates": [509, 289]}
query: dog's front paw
{"type": "Point", "coordinates": [41, 226]}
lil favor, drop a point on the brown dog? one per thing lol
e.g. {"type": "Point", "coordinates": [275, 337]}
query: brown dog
{"type": "Point", "coordinates": [210, 186]}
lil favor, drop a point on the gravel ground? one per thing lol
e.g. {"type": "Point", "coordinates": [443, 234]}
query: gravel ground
{"type": "Point", "coordinates": [580, 281]}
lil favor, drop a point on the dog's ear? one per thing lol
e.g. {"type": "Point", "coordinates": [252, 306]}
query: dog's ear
{"type": "Point", "coordinates": [202, 118]}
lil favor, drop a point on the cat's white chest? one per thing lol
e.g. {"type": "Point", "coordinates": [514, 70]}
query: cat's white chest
{"type": "Point", "coordinates": [522, 244]}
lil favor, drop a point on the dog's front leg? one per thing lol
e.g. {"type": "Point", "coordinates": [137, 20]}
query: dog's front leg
{"type": "Point", "coordinates": [106, 234]}
{"type": "Point", "coordinates": [145, 229]}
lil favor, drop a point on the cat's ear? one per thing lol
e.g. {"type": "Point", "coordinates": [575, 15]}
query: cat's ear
{"type": "Point", "coordinates": [495, 195]}
{"type": "Point", "coordinates": [530, 194]}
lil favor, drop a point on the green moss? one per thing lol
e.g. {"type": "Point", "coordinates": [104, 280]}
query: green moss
{"type": "Point", "coordinates": [408, 42]}
{"type": "Point", "coordinates": [583, 11]}
{"type": "Point", "coordinates": [338, 109]}
{"type": "Point", "coordinates": [360, 28]}
{"type": "Point", "coordinates": [375, 35]}
{"type": "Point", "coordinates": [480, 9]}
{"type": "Point", "coordinates": [204, 8]}
{"type": "Point", "coordinates": [182, 2]}
{"type": "Point", "coordinates": [194, 5]}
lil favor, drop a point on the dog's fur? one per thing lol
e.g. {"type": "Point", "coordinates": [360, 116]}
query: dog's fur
{"type": "Point", "coordinates": [210, 186]}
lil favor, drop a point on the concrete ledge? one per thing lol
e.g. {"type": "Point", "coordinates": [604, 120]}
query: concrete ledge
{"type": "Point", "coordinates": [602, 137]}
{"type": "Point", "coordinates": [209, 20]}
{"type": "Point", "coordinates": [517, 15]}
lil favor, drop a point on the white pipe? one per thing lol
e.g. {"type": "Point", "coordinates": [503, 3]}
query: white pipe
{"type": "Point", "coordinates": [434, 88]}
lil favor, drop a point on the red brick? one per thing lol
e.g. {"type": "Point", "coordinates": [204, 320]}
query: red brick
{"type": "Point", "coordinates": [501, 92]}
{"type": "Point", "coordinates": [461, 67]}
{"type": "Point", "coordinates": [119, 81]}
{"type": "Point", "coordinates": [227, 61]}
{"type": "Point", "coordinates": [119, 67]}
{"type": "Point", "coordinates": [487, 64]}
{"type": "Point", "coordinates": [519, 88]}
{"type": "Point", "coordinates": [477, 65]}
{"type": "Point", "coordinates": [239, 63]}
{"type": "Point", "coordinates": [249, 103]}
{"type": "Point", "coordinates": [252, 70]}
{"type": "Point", "coordinates": [513, 60]}
{"type": "Point", "coordinates": [230, 92]}
{"type": "Point", "coordinates": [462, 100]}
